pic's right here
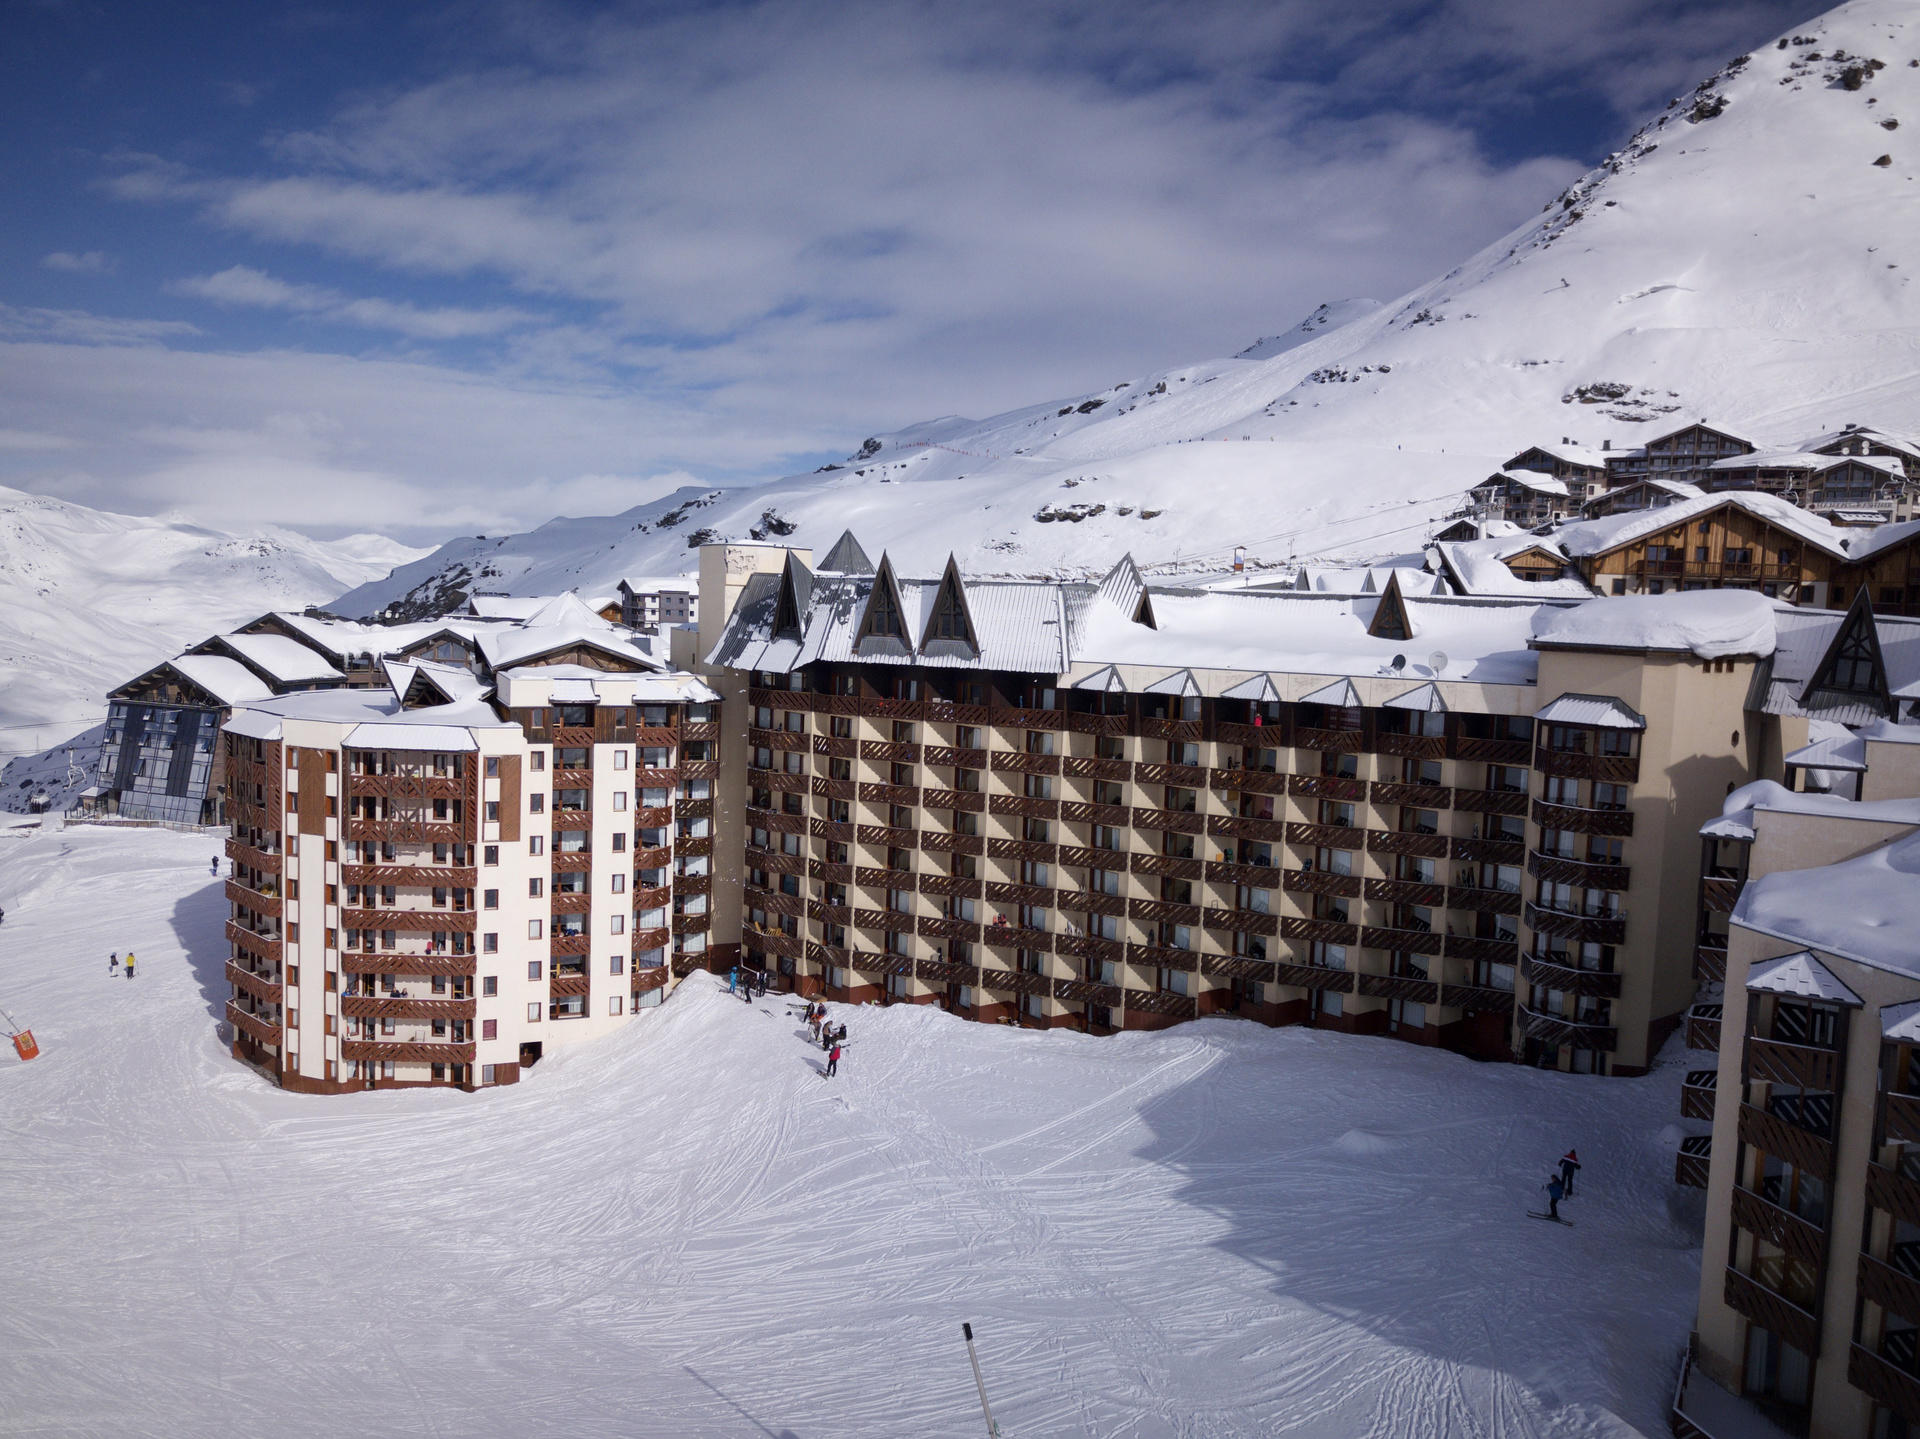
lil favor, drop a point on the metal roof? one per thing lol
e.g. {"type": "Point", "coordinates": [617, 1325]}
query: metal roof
{"type": "Point", "coordinates": [1598, 711]}
{"type": "Point", "coordinates": [1801, 975]}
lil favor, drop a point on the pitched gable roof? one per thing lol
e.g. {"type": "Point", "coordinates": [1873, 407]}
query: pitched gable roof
{"type": "Point", "coordinates": [1853, 670]}
{"type": "Point", "coordinates": [1390, 618]}
{"type": "Point", "coordinates": [949, 620]}
{"type": "Point", "coordinates": [796, 592]}
{"type": "Point", "coordinates": [883, 621]}
{"type": "Point", "coordinates": [846, 557]}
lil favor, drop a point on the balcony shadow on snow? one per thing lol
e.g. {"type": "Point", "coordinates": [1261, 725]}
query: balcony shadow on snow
{"type": "Point", "coordinates": [1386, 1187]}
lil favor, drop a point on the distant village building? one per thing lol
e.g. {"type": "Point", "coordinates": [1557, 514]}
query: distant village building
{"type": "Point", "coordinates": [651, 605]}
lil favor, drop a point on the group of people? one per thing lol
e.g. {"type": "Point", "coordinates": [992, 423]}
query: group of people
{"type": "Point", "coordinates": [1560, 1186]}
{"type": "Point", "coordinates": [748, 982]}
{"type": "Point", "coordinates": [114, 962]}
{"type": "Point", "coordinates": [830, 1037]}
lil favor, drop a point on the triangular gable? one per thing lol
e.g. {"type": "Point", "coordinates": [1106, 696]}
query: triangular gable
{"type": "Point", "coordinates": [1181, 683]}
{"type": "Point", "coordinates": [1853, 667]}
{"type": "Point", "coordinates": [1390, 618]}
{"type": "Point", "coordinates": [949, 620]}
{"type": "Point", "coordinates": [1105, 680]}
{"type": "Point", "coordinates": [1802, 976]}
{"type": "Point", "coordinates": [1126, 591]}
{"type": "Point", "coordinates": [423, 691]}
{"type": "Point", "coordinates": [1340, 694]}
{"type": "Point", "coordinates": [1424, 697]}
{"type": "Point", "coordinates": [1258, 688]}
{"type": "Point", "coordinates": [847, 557]}
{"type": "Point", "coordinates": [883, 622]}
{"type": "Point", "coordinates": [1899, 1023]}
{"type": "Point", "coordinates": [796, 593]}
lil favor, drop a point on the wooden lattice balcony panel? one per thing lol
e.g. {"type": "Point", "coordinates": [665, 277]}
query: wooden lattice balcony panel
{"type": "Point", "coordinates": [405, 1051]}
{"type": "Point", "coordinates": [389, 961]}
{"type": "Point", "coordinates": [260, 1031]}
{"type": "Point", "coordinates": [383, 1006]}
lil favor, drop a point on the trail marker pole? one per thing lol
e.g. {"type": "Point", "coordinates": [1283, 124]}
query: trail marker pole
{"type": "Point", "coordinates": [993, 1429]}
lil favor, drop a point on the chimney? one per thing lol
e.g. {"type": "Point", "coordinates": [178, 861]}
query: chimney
{"type": "Point", "coordinates": [1606, 444]}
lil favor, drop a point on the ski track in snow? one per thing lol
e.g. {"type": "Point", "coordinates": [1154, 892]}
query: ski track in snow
{"type": "Point", "coordinates": [1218, 1230]}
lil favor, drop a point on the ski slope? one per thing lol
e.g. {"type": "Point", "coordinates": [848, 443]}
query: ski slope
{"type": "Point", "coordinates": [1219, 1230]}
{"type": "Point", "coordinates": [1747, 257]}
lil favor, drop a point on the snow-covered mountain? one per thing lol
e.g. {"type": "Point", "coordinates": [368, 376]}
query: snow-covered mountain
{"type": "Point", "coordinates": [1747, 258]}
{"type": "Point", "coordinates": [92, 598]}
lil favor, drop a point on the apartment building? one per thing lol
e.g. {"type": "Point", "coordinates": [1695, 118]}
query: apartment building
{"type": "Point", "coordinates": [1810, 1285]}
{"type": "Point", "coordinates": [1462, 822]}
{"type": "Point", "coordinates": [436, 881]}
{"type": "Point", "coordinates": [651, 604]}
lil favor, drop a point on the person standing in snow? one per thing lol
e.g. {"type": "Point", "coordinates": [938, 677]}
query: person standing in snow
{"type": "Point", "coordinates": [1569, 1164]}
{"type": "Point", "coordinates": [813, 1021]}
{"type": "Point", "coordinates": [129, 964]}
{"type": "Point", "coordinates": [833, 1061]}
{"type": "Point", "coordinates": [213, 866]}
{"type": "Point", "coordinates": [733, 979]}
{"type": "Point", "coordinates": [113, 964]}
{"type": "Point", "coordinates": [1554, 1191]}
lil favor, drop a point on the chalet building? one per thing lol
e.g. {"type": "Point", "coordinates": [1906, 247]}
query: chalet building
{"type": "Point", "coordinates": [1682, 454]}
{"type": "Point", "coordinates": [1885, 564]}
{"type": "Point", "coordinates": [435, 882]}
{"type": "Point", "coordinates": [1527, 498]}
{"type": "Point", "coordinates": [1117, 806]}
{"type": "Point", "coordinates": [1874, 487]}
{"type": "Point", "coordinates": [1636, 495]}
{"type": "Point", "coordinates": [1808, 1302]}
{"type": "Point", "coordinates": [1518, 566]}
{"type": "Point", "coordinates": [1866, 441]}
{"type": "Point", "coordinates": [1738, 540]}
{"type": "Point", "coordinates": [1583, 470]}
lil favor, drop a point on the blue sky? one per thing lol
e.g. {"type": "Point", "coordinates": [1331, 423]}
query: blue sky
{"type": "Point", "coordinates": [441, 268]}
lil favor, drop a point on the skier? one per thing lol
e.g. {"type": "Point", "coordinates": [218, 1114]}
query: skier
{"type": "Point", "coordinates": [1555, 1189]}
{"type": "Point", "coordinates": [129, 964]}
{"type": "Point", "coordinates": [733, 979]}
{"type": "Point", "coordinates": [1569, 1163]}
{"type": "Point", "coordinates": [833, 1061]}
{"type": "Point", "coordinates": [813, 1021]}
{"type": "Point", "coordinates": [113, 964]}
{"type": "Point", "coordinates": [213, 866]}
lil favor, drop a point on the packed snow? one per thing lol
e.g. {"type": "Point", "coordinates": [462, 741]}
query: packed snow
{"type": "Point", "coordinates": [1220, 1229]}
{"type": "Point", "coordinates": [1865, 908]}
{"type": "Point", "coordinates": [1711, 624]}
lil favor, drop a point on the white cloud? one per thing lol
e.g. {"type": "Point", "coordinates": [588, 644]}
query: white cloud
{"type": "Point", "coordinates": [87, 262]}
{"type": "Point", "coordinates": [243, 285]}
{"type": "Point", "coordinates": [77, 327]}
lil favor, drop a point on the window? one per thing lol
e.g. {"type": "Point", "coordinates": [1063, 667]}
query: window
{"type": "Point", "coordinates": [490, 986]}
{"type": "Point", "coordinates": [533, 929]}
{"type": "Point", "coordinates": [490, 943]}
{"type": "Point", "coordinates": [536, 804]}
{"type": "Point", "coordinates": [493, 811]}
{"type": "Point", "coordinates": [613, 1004]}
{"type": "Point", "coordinates": [533, 1011]}
{"type": "Point", "coordinates": [493, 772]}
{"type": "Point", "coordinates": [490, 898]}
{"type": "Point", "coordinates": [617, 964]}
{"type": "Point", "coordinates": [620, 759]}
{"type": "Point", "coordinates": [490, 854]}
{"type": "Point", "coordinates": [489, 1029]}
{"type": "Point", "coordinates": [617, 924]}
{"type": "Point", "coordinates": [536, 845]}
{"type": "Point", "coordinates": [535, 888]}
{"type": "Point", "coordinates": [619, 799]}
{"type": "Point", "coordinates": [533, 969]}
{"type": "Point", "coordinates": [539, 756]}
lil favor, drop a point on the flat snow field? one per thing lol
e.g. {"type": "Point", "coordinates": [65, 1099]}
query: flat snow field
{"type": "Point", "coordinates": [688, 1230]}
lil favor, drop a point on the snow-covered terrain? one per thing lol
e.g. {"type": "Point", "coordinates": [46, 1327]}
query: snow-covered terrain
{"type": "Point", "coordinates": [686, 1230]}
{"type": "Point", "coordinates": [1746, 257]}
{"type": "Point", "coordinates": [91, 599]}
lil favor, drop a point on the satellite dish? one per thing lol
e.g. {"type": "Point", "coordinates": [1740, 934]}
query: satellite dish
{"type": "Point", "coordinates": [1399, 663]}
{"type": "Point", "coordinates": [1437, 661]}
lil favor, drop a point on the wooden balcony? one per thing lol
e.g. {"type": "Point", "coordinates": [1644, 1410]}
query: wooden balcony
{"type": "Point", "coordinates": [1014, 936]}
{"type": "Point", "coordinates": [561, 942]}
{"type": "Point", "coordinates": [968, 801]}
{"type": "Point", "coordinates": [393, 1006]}
{"type": "Point", "coordinates": [1322, 836]}
{"type": "Point", "coordinates": [1492, 751]}
{"type": "Point", "coordinates": [1166, 866]}
{"type": "Point", "coordinates": [1693, 1161]}
{"type": "Point", "coordinates": [889, 794]}
{"type": "Point", "coordinates": [1161, 956]}
{"type": "Point", "coordinates": [1719, 895]}
{"type": "Point", "coordinates": [407, 786]}
{"type": "Point", "coordinates": [1015, 981]}
{"type": "Point", "coordinates": [1555, 870]}
{"type": "Point", "coordinates": [408, 831]}
{"type": "Point", "coordinates": [260, 1031]}
{"type": "Point", "coordinates": [1884, 1382]}
{"type": "Point", "coordinates": [878, 877]}
{"type": "Point", "coordinates": [881, 751]}
{"type": "Point", "coordinates": [1081, 901]}
{"type": "Point", "coordinates": [1609, 768]}
{"type": "Point", "coordinates": [565, 901]}
{"type": "Point", "coordinates": [1893, 1193]}
{"type": "Point", "coordinates": [882, 965]}
{"type": "Point", "coordinates": [1161, 1001]}
{"type": "Point", "coordinates": [1023, 807]}
{"type": "Point", "coordinates": [1321, 786]}
{"type": "Point", "coordinates": [573, 779]}
{"type": "Point", "coordinates": [261, 903]}
{"type": "Point", "coordinates": [883, 836]}
{"type": "Point", "coordinates": [1102, 724]}
{"type": "Point", "coordinates": [405, 1052]}
{"type": "Point", "coordinates": [1118, 771]}
{"type": "Point", "coordinates": [1591, 929]}
{"type": "Point", "coordinates": [1413, 746]}
{"type": "Point", "coordinates": [1075, 811]}
{"type": "Point", "coordinates": [1320, 931]}
{"type": "Point", "coordinates": [1163, 911]}
{"type": "Point", "coordinates": [1313, 976]}
{"type": "Point", "coordinates": [1254, 876]}
{"type": "Point", "coordinates": [1019, 762]}
{"type": "Point", "coordinates": [1798, 1327]}
{"type": "Point", "coordinates": [560, 986]}
{"type": "Point", "coordinates": [1798, 1066]}
{"type": "Point", "coordinates": [1892, 1289]}
{"type": "Point", "coordinates": [1036, 850]}
{"type": "Point", "coordinates": [1710, 963]}
{"type": "Point", "coordinates": [941, 927]}
{"type": "Point", "coordinates": [1086, 991]}
{"type": "Point", "coordinates": [1488, 851]}
{"type": "Point", "coordinates": [260, 946]}
{"type": "Point", "coordinates": [1478, 998]}
{"type": "Point", "coordinates": [1185, 730]}
{"type": "Point", "coordinates": [1339, 741]}
{"type": "Point", "coordinates": [1698, 1092]}
{"type": "Point", "coordinates": [1419, 796]}
{"type": "Point", "coordinates": [1899, 1118]}
{"type": "Point", "coordinates": [1321, 881]}
{"type": "Point", "coordinates": [1703, 1027]}
{"type": "Point", "coordinates": [1605, 822]}
{"type": "Point", "coordinates": [1783, 1229]}
{"type": "Point", "coordinates": [388, 961]}
{"type": "Point", "coordinates": [884, 919]}
{"type": "Point", "coordinates": [1176, 820]}
{"type": "Point", "coordinates": [1235, 779]}
{"type": "Point", "coordinates": [649, 977]}
{"type": "Point", "coordinates": [268, 991]}
{"type": "Point", "coordinates": [412, 921]}
{"type": "Point", "coordinates": [1033, 895]}
{"type": "Point", "coordinates": [941, 711]}
{"type": "Point", "coordinates": [1569, 979]}
{"type": "Point", "coordinates": [247, 857]}
{"type": "Point", "coordinates": [1402, 941]}
{"type": "Point", "coordinates": [655, 938]}
{"type": "Point", "coordinates": [1484, 901]}
{"type": "Point", "coordinates": [411, 876]}
{"type": "Point", "coordinates": [830, 746]}
{"type": "Point", "coordinates": [1268, 831]}
{"type": "Point", "coordinates": [1395, 986]}
{"type": "Point", "coordinates": [583, 737]}
{"type": "Point", "coordinates": [1012, 718]}
{"type": "Point", "coordinates": [1491, 801]}
{"type": "Point", "coordinates": [945, 842]}
{"type": "Point", "coordinates": [1236, 966]}
{"type": "Point", "coordinates": [1786, 1141]}
{"type": "Point", "coordinates": [1554, 1029]}
{"type": "Point", "coordinates": [946, 971]}
{"type": "Point", "coordinates": [947, 757]}
{"type": "Point", "coordinates": [1490, 948]}
{"type": "Point", "coordinates": [945, 886]}
{"type": "Point", "coordinates": [1408, 842]}
{"type": "Point", "coordinates": [1241, 921]}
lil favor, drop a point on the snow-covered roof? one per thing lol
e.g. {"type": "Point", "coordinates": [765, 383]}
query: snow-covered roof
{"type": "Point", "coordinates": [1860, 547]}
{"type": "Point", "coordinates": [1596, 537]}
{"type": "Point", "coordinates": [1866, 908]}
{"type": "Point", "coordinates": [283, 660]}
{"type": "Point", "coordinates": [507, 607]}
{"type": "Point", "coordinates": [227, 680]}
{"type": "Point", "coordinates": [1906, 444]}
{"type": "Point", "coordinates": [650, 584]}
{"type": "Point", "coordinates": [1573, 454]}
{"type": "Point", "coordinates": [440, 739]}
{"type": "Point", "coordinates": [1710, 624]}
{"type": "Point", "coordinates": [1802, 638]}
{"type": "Point", "coordinates": [1848, 753]}
{"type": "Point", "coordinates": [1105, 680]}
{"type": "Point", "coordinates": [1885, 731]}
{"type": "Point", "coordinates": [1424, 697]}
{"type": "Point", "coordinates": [1737, 813]}
{"type": "Point", "coordinates": [1260, 689]}
{"type": "Point", "coordinates": [1802, 976]}
{"type": "Point", "coordinates": [253, 725]}
{"type": "Point", "coordinates": [1538, 480]}
{"type": "Point", "coordinates": [1180, 682]}
{"type": "Point", "coordinates": [1340, 694]}
{"type": "Point", "coordinates": [1479, 567]}
{"type": "Point", "coordinates": [1599, 711]}
{"type": "Point", "coordinates": [1900, 1023]}
{"type": "Point", "coordinates": [1364, 580]}
{"type": "Point", "coordinates": [1783, 460]}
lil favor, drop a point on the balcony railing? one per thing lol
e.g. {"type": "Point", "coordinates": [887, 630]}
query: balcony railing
{"type": "Point", "coordinates": [1570, 979]}
{"type": "Point", "coordinates": [1556, 1029]}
